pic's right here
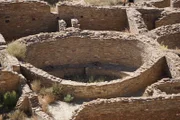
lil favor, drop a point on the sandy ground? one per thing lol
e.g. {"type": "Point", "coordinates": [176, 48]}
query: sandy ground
{"type": "Point", "coordinates": [63, 111]}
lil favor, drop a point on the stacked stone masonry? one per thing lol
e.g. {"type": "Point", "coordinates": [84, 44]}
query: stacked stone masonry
{"type": "Point", "coordinates": [138, 45]}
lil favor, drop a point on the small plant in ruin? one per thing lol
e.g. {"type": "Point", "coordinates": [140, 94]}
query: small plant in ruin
{"type": "Point", "coordinates": [17, 49]}
{"type": "Point", "coordinates": [68, 98]}
{"type": "Point", "coordinates": [36, 85]}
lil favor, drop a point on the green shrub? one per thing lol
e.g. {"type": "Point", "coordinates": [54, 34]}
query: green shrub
{"type": "Point", "coordinates": [68, 98]}
{"type": "Point", "coordinates": [10, 99]}
{"type": "Point", "coordinates": [17, 49]}
{"type": "Point", "coordinates": [56, 89]}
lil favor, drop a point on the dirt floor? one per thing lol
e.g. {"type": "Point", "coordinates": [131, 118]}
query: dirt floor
{"type": "Point", "coordinates": [62, 110]}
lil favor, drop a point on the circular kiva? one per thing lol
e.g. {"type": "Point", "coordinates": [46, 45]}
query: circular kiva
{"type": "Point", "coordinates": [126, 60]}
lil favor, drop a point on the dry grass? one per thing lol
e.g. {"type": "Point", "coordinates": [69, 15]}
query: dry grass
{"type": "Point", "coordinates": [44, 101]}
{"type": "Point", "coordinates": [17, 49]}
{"type": "Point", "coordinates": [164, 47]}
{"type": "Point", "coordinates": [36, 85]}
{"type": "Point", "coordinates": [104, 2]}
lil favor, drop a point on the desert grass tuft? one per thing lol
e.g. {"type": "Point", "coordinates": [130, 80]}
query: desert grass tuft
{"type": "Point", "coordinates": [17, 49]}
{"type": "Point", "coordinates": [36, 86]}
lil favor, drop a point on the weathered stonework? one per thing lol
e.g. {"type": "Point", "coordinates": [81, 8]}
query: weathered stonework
{"type": "Point", "coordinates": [175, 3]}
{"type": "Point", "coordinates": [130, 108]}
{"type": "Point", "coordinates": [139, 45]}
{"type": "Point", "coordinates": [31, 17]}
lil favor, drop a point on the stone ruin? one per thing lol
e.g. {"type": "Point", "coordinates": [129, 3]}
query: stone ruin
{"type": "Point", "coordinates": [138, 46]}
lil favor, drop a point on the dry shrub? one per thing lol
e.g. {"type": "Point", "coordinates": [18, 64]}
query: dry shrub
{"type": "Point", "coordinates": [45, 107]}
{"type": "Point", "coordinates": [36, 85]}
{"type": "Point", "coordinates": [17, 115]}
{"type": "Point", "coordinates": [48, 95]}
{"type": "Point", "coordinates": [34, 118]}
{"type": "Point", "coordinates": [104, 2]}
{"type": "Point", "coordinates": [17, 49]}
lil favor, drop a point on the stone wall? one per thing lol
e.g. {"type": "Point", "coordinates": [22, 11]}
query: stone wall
{"type": "Point", "coordinates": [9, 62]}
{"type": "Point", "coordinates": [121, 87]}
{"type": "Point", "coordinates": [175, 3]}
{"type": "Point", "coordinates": [9, 77]}
{"type": "Point", "coordinates": [25, 18]}
{"type": "Point", "coordinates": [165, 86]}
{"type": "Point", "coordinates": [154, 108]}
{"type": "Point", "coordinates": [150, 16]}
{"type": "Point", "coordinates": [161, 3]}
{"type": "Point", "coordinates": [9, 81]}
{"type": "Point", "coordinates": [168, 35]}
{"type": "Point", "coordinates": [95, 18]}
{"type": "Point", "coordinates": [71, 49]}
{"type": "Point", "coordinates": [169, 18]}
{"type": "Point", "coordinates": [136, 22]}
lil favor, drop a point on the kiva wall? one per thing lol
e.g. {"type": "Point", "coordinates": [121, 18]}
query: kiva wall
{"type": "Point", "coordinates": [164, 108]}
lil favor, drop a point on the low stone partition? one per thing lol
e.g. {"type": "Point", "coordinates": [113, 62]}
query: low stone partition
{"type": "Point", "coordinates": [10, 79]}
{"type": "Point", "coordinates": [8, 61]}
{"type": "Point", "coordinates": [136, 22]}
{"type": "Point", "coordinates": [29, 103]}
{"type": "Point", "coordinates": [140, 108]}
